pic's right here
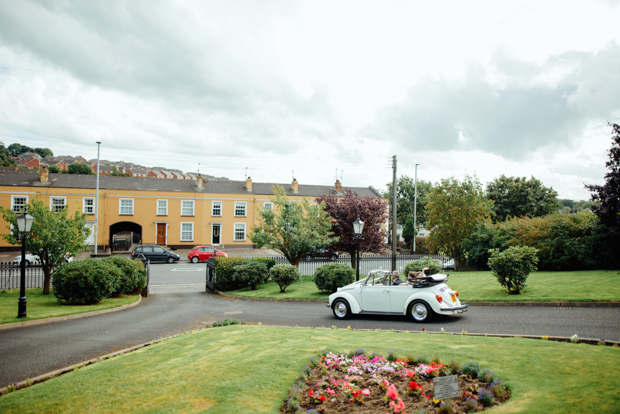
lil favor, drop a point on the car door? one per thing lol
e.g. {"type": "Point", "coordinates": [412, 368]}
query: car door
{"type": "Point", "coordinates": [375, 295]}
{"type": "Point", "coordinates": [209, 251]}
{"type": "Point", "coordinates": [147, 251]}
{"type": "Point", "coordinates": [159, 254]}
{"type": "Point", "coordinates": [398, 296]}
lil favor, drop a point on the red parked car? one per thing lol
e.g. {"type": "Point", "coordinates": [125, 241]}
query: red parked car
{"type": "Point", "coordinates": [204, 253]}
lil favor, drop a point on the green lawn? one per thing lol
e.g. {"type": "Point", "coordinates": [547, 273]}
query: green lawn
{"type": "Point", "coordinates": [41, 306]}
{"type": "Point", "coordinates": [249, 369]}
{"type": "Point", "coordinates": [583, 286]}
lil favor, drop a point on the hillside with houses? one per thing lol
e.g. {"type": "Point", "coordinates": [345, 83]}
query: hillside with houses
{"type": "Point", "coordinates": [32, 160]}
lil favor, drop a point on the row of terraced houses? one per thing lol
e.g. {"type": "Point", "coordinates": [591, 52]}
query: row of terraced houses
{"type": "Point", "coordinates": [174, 213]}
{"type": "Point", "coordinates": [34, 160]}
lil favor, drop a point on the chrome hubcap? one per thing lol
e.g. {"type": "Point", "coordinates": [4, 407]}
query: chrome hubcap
{"type": "Point", "coordinates": [341, 310]}
{"type": "Point", "coordinates": [419, 312]}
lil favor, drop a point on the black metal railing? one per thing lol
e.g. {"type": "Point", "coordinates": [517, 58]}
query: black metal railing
{"type": "Point", "coordinates": [210, 283]}
{"type": "Point", "coordinates": [10, 276]}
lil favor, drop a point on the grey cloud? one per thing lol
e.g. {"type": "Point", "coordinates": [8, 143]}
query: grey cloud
{"type": "Point", "coordinates": [514, 119]}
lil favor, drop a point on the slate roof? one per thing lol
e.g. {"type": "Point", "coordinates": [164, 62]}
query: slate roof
{"type": "Point", "coordinates": [155, 184]}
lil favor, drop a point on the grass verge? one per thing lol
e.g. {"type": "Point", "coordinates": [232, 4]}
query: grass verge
{"type": "Point", "coordinates": [249, 369]}
{"type": "Point", "coordinates": [40, 306]}
{"type": "Point", "coordinates": [582, 286]}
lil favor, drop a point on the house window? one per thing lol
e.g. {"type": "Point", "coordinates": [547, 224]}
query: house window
{"type": "Point", "coordinates": [126, 207]}
{"type": "Point", "coordinates": [88, 205]}
{"type": "Point", "coordinates": [187, 207]}
{"type": "Point", "coordinates": [162, 207]}
{"type": "Point", "coordinates": [240, 207]}
{"type": "Point", "coordinates": [57, 203]}
{"type": "Point", "coordinates": [216, 210]}
{"type": "Point", "coordinates": [239, 231]}
{"type": "Point", "coordinates": [19, 203]}
{"type": "Point", "coordinates": [268, 206]}
{"type": "Point", "coordinates": [187, 231]}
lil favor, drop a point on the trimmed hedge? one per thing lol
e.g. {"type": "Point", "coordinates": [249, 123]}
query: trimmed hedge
{"type": "Point", "coordinates": [284, 275]}
{"type": "Point", "coordinates": [86, 282]}
{"type": "Point", "coordinates": [225, 277]}
{"type": "Point", "coordinates": [133, 277]}
{"type": "Point", "coordinates": [251, 273]}
{"type": "Point", "coordinates": [329, 277]}
{"type": "Point", "coordinates": [434, 266]}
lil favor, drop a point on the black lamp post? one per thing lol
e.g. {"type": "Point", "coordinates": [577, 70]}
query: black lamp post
{"type": "Point", "coordinates": [24, 224]}
{"type": "Point", "coordinates": [358, 227]}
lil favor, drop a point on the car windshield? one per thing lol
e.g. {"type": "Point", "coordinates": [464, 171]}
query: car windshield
{"type": "Point", "coordinates": [378, 277]}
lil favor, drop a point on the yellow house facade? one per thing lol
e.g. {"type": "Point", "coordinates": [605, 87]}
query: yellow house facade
{"type": "Point", "coordinates": [174, 213]}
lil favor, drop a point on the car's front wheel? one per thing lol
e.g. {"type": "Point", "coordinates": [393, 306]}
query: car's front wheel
{"type": "Point", "coordinates": [341, 309]}
{"type": "Point", "coordinates": [195, 259]}
{"type": "Point", "coordinates": [420, 311]}
{"type": "Point", "coordinates": [171, 260]}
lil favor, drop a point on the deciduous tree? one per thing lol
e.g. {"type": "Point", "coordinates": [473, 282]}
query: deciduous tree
{"type": "Point", "coordinates": [409, 231]}
{"type": "Point", "coordinates": [405, 197]}
{"type": "Point", "coordinates": [296, 228]}
{"type": "Point", "coordinates": [345, 210]}
{"type": "Point", "coordinates": [454, 210]}
{"type": "Point", "coordinates": [53, 235]}
{"type": "Point", "coordinates": [520, 197]}
{"type": "Point", "coordinates": [79, 168]}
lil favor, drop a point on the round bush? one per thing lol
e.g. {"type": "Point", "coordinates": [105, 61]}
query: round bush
{"type": "Point", "coordinates": [251, 273]}
{"type": "Point", "coordinates": [329, 277]}
{"type": "Point", "coordinates": [86, 282]}
{"type": "Point", "coordinates": [512, 266]}
{"type": "Point", "coordinates": [133, 277]}
{"type": "Point", "coordinates": [284, 275]}
{"type": "Point", "coordinates": [434, 266]}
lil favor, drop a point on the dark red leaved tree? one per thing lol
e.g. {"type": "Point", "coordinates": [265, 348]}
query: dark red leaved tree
{"type": "Point", "coordinates": [345, 210]}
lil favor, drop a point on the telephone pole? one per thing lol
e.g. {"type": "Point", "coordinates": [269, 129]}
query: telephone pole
{"type": "Point", "coordinates": [394, 212]}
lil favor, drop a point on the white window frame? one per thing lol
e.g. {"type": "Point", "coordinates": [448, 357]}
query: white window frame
{"type": "Point", "coordinates": [245, 208]}
{"type": "Point", "coordinates": [213, 205]}
{"type": "Point", "coordinates": [13, 197]}
{"type": "Point", "coordinates": [186, 231]}
{"type": "Point", "coordinates": [85, 210]}
{"type": "Point", "coordinates": [120, 207]}
{"type": "Point", "coordinates": [235, 231]}
{"type": "Point", "coordinates": [268, 206]}
{"type": "Point", "coordinates": [55, 207]}
{"type": "Point", "coordinates": [182, 208]}
{"type": "Point", "coordinates": [158, 208]}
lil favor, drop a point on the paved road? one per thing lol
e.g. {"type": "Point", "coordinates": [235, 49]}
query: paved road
{"type": "Point", "coordinates": [31, 351]}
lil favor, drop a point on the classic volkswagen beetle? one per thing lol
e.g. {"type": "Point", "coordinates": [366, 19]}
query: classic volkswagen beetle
{"type": "Point", "coordinates": [384, 293]}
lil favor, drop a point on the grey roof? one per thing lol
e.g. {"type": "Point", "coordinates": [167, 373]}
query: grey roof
{"type": "Point", "coordinates": [156, 184]}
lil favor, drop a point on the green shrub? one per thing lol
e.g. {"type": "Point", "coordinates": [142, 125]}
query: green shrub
{"type": "Point", "coordinates": [329, 277]}
{"type": "Point", "coordinates": [86, 282]}
{"type": "Point", "coordinates": [512, 266]}
{"type": "Point", "coordinates": [225, 274]}
{"type": "Point", "coordinates": [250, 273]}
{"type": "Point", "coordinates": [133, 277]}
{"type": "Point", "coordinates": [268, 261]}
{"type": "Point", "coordinates": [284, 275]}
{"type": "Point", "coordinates": [434, 266]}
{"type": "Point", "coordinates": [420, 245]}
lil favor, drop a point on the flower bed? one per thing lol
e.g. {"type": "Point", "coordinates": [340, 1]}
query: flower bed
{"type": "Point", "coordinates": [361, 383]}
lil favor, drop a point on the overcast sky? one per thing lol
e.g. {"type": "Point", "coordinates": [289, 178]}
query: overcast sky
{"type": "Point", "coordinates": [319, 89]}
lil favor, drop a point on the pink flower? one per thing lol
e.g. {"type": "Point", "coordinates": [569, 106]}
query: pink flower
{"type": "Point", "coordinates": [400, 406]}
{"type": "Point", "coordinates": [330, 391]}
{"type": "Point", "coordinates": [392, 392]}
{"type": "Point", "coordinates": [366, 391]}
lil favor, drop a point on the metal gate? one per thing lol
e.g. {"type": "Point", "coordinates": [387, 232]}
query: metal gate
{"type": "Point", "coordinates": [210, 283]}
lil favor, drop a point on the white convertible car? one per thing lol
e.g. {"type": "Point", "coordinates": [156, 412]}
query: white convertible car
{"type": "Point", "coordinates": [383, 294]}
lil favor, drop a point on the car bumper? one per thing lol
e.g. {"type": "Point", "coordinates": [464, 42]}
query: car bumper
{"type": "Point", "coordinates": [454, 309]}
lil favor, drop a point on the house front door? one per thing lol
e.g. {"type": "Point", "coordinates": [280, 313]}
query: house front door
{"type": "Point", "coordinates": [216, 234]}
{"type": "Point", "coordinates": [161, 233]}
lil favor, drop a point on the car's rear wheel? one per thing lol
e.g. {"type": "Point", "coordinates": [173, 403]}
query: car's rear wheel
{"type": "Point", "coordinates": [171, 260]}
{"type": "Point", "coordinates": [341, 309]}
{"type": "Point", "coordinates": [420, 311]}
{"type": "Point", "coordinates": [195, 259]}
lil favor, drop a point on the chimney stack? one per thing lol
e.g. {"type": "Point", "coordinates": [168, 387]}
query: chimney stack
{"type": "Point", "coordinates": [338, 186]}
{"type": "Point", "coordinates": [248, 184]}
{"type": "Point", "coordinates": [44, 173]}
{"type": "Point", "coordinates": [200, 181]}
{"type": "Point", "coordinates": [295, 186]}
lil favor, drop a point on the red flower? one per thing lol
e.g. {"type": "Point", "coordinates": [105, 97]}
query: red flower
{"type": "Point", "coordinates": [310, 392]}
{"type": "Point", "coordinates": [322, 398]}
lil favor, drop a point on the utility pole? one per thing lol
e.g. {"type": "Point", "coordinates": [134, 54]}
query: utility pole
{"type": "Point", "coordinates": [97, 201]}
{"type": "Point", "coordinates": [394, 212]}
{"type": "Point", "coordinates": [415, 205]}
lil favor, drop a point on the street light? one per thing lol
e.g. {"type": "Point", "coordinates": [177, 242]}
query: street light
{"type": "Point", "coordinates": [415, 207]}
{"type": "Point", "coordinates": [24, 224]}
{"type": "Point", "coordinates": [358, 227]}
